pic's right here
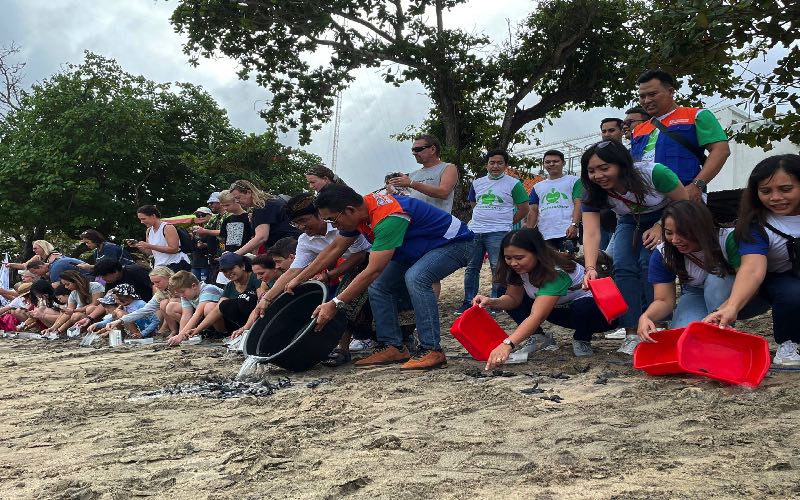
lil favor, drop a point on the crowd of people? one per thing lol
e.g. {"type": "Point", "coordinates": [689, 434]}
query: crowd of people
{"type": "Point", "coordinates": [383, 255]}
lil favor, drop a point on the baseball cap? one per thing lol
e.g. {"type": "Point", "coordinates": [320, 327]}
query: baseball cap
{"type": "Point", "coordinates": [229, 260]}
{"type": "Point", "coordinates": [108, 299]}
{"type": "Point", "coordinates": [214, 197]}
{"type": "Point", "coordinates": [204, 210]}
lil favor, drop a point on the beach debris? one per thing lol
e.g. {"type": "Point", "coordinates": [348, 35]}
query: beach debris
{"type": "Point", "coordinates": [219, 389]}
{"type": "Point", "coordinates": [318, 382]}
{"type": "Point", "coordinates": [555, 398]}
{"type": "Point", "coordinates": [554, 375]}
{"type": "Point", "coordinates": [533, 390]}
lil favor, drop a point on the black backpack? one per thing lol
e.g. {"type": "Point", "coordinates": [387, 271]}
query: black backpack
{"type": "Point", "coordinates": [185, 240]}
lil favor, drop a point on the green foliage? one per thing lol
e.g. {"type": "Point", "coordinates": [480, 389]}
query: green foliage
{"type": "Point", "coordinates": [92, 143]}
{"type": "Point", "coordinates": [735, 33]}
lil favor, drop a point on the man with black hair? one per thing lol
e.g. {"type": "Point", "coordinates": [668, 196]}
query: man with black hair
{"type": "Point", "coordinates": [114, 273]}
{"type": "Point", "coordinates": [414, 245]}
{"type": "Point", "coordinates": [555, 203]}
{"type": "Point", "coordinates": [611, 129]}
{"type": "Point", "coordinates": [678, 136]}
{"type": "Point", "coordinates": [633, 117]}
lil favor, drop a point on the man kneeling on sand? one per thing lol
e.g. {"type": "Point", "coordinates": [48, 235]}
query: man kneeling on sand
{"type": "Point", "coordinates": [414, 245]}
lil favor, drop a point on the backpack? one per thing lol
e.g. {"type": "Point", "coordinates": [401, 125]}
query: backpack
{"type": "Point", "coordinates": [186, 243]}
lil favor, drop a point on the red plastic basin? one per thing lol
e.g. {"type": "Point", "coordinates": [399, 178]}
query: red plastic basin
{"type": "Point", "coordinates": [608, 298]}
{"type": "Point", "coordinates": [478, 332]}
{"type": "Point", "coordinates": [660, 358]}
{"type": "Point", "coordinates": [723, 354]}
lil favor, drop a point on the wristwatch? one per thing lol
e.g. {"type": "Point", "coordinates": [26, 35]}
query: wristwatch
{"type": "Point", "coordinates": [508, 342]}
{"type": "Point", "coordinates": [339, 303]}
{"type": "Point", "coordinates": [700, 183]}
{"type": "Point", "coordinates": [573, 224]}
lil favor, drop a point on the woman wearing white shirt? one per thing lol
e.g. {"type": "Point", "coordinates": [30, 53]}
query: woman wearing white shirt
{"type": "Point", "coordinates": [162, 240]}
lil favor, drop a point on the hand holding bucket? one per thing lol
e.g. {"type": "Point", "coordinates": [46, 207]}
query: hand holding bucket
{"type": "Point", "coordinates": [608, 298]}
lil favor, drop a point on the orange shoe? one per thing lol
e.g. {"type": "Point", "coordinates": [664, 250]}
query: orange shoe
{"type": "Point", "coordinates": [426, 360]}
{"type": "Point", "coordinates": [385, 355]}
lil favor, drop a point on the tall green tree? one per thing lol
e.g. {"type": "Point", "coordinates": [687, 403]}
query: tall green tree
{"type": "Point", "coordinates": [564, 54]}
{"type": "Point", "coordinates": [751, 29]}
{"type": "Point", "coordinates": [90, 144]}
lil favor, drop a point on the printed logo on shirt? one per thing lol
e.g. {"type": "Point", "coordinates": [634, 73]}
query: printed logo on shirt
{"type": "Point", "coordinates": [489, 198]}
{"type": "Point", "coordinates": [382, 199]}
{"type": "Point", "coordinates": [555, 196]}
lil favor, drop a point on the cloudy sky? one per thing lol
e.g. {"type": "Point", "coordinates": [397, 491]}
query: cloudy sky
{"type": "Point", "coordinates": [137, 33]}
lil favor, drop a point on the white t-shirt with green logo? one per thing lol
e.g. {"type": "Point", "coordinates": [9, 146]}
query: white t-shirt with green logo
{"type": "Point", "coordinates": [556, 200]}
{"type": "Point", "coordinates": [495, 201]}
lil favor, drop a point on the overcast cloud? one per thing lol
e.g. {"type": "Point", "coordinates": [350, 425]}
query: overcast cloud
{"type": "Point", "coordinates": [137, 33]}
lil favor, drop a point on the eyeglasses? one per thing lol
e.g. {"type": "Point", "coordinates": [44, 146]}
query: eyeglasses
{"type": "Point", "coordinates": [628, 123]}
{"type": "Point", "coordinates": [334, 220]}
{"type": "Point", "coordinates": [420, 149]}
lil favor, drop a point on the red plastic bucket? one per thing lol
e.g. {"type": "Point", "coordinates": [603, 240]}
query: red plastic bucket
{"type": "Point", "coordinates": [608, 298]}
{"type": "Point", "coordinates": [660, 358]}
{"type": "Point", "coordinates": [723, 354]}
{"type": "Point", "coordinates": [478, 332]}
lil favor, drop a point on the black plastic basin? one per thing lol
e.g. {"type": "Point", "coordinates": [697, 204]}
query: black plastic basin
{"type": "Point", "coordinates": [285, 336]}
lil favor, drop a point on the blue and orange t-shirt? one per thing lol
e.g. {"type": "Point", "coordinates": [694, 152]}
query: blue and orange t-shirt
{"type": "Point", "coordinates": [408, 226]}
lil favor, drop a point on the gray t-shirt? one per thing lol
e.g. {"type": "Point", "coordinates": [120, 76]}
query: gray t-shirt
{"type": "Point", "coordinates": [433, 177]}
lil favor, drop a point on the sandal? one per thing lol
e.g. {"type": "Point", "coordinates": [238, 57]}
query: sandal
{"type": "Point", "coordinates": [337, 358]}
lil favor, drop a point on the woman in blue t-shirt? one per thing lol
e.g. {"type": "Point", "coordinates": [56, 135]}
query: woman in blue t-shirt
{"type": "Point", "coordinates": [768, 213]}
{"type": "Point", "coordinates": [692, 253]}
{"type": "Point", "coordinates": [542, 284]}
{"type": "Point", "coordinates": [637, 194]}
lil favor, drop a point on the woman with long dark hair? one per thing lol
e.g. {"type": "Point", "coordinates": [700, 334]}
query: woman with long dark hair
{"type": "Point", "coordinates": [542, 284]}
{"type": "Point", "coordinates": [768, 225]}
{"type": "Point", "coordinates": [103, 249]}
{"type": "Point", "coordinates": [47, 308]}
{"type": "Point", "coordinates": [162, 240]}
{"type": "Point", "coordinates": [695, 253]}
{"type": "Point", "coordinates": [82, 301]}
{"type": "Point", "coordinates": [637, 194]}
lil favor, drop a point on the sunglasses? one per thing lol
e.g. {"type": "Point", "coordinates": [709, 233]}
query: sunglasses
{"type": "Point", "coordinates": [628, 123]}
{"type": "Point", "coordinates": [420, 149]}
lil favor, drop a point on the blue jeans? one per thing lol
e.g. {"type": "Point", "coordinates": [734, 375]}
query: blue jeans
{"type": "Point", "coordinates": [418, 279]}
{"type": "Point", "coordinates": [484, 243]}
{"type": "Point", "coordinates": [631, 261]}
{"type": "Point", "coordinates": [716, 290]}
{"type": "Point", "coordinates": [782, 290]}
{"type": "Point", "coordinates": [201, 273]}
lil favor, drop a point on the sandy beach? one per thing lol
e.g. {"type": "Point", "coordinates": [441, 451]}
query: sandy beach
{"type": "Point", "coordinates": [76, 423]}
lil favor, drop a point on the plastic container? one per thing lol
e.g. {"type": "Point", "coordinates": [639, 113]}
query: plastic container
{"type": "Point", "coordinates": [285, 336]}
{"type": "Point", "coordinates": [115, 338]}
{"type": "Point", "coordinates": [723, 354]}
{"type": "Point", "coordinates": [608, 298]}
{"type": "Point", "coordinates": [660, 358]}
{"type": "Point", "coordinates": [478, 332]}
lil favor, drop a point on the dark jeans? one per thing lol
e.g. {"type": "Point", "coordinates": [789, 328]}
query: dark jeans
{"type": "Point", "coordinates": [581, 315]}
{"type": "Point", "coordinates": [782, 290]}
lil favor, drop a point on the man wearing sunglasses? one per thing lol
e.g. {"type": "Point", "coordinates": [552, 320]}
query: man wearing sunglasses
{"type": "Point", "coordinates": [633, 117]}
{"type": "Point", "coordinates": [435, 182]}
{"type": "Point", "coordinates": [414, 245]}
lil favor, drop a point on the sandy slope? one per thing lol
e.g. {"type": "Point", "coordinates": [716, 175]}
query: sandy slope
{"type": "Point", "coordinates": [70, 429]}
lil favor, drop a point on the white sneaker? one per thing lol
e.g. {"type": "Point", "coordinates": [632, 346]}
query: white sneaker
{"type": "Point", "coordinates": [616, 334]}
{"type": "Point", "coordinates": [361, 345]}
{"type": "Point", "coordinates": [787, 354]}
{"type": "Point", "coordinates": [629, 344]}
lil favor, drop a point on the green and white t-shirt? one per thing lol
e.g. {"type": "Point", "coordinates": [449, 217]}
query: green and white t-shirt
{"type": "Point", "coordinates": [566, 286]}
{"type": "Point", "coordinates": [660, 180]}
{"type": "Point", "coordinates": [556, 200]}
{"type": "Point", "coordinates": [495, 201]}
